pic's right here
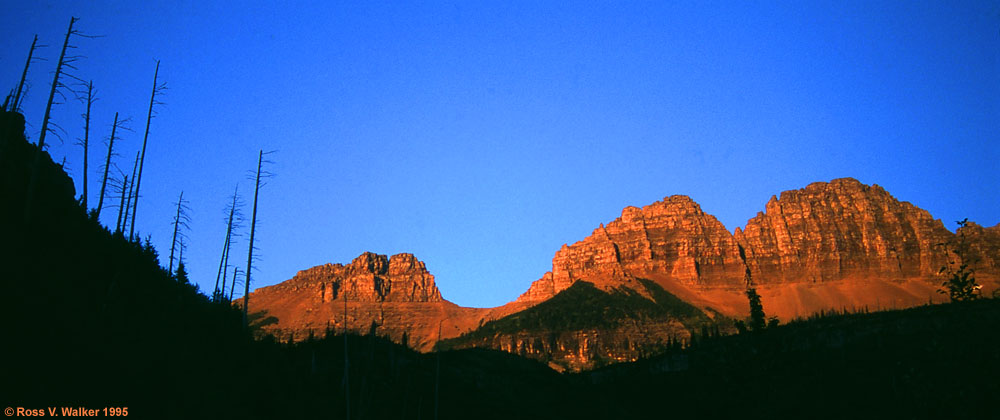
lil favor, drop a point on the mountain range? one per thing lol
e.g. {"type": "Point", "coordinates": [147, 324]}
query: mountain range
{"type": "Point", "coordinates": [653, 277]}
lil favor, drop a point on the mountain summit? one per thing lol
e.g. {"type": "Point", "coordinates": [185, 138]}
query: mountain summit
{"type": "Point", "coordinates": [831, 245]}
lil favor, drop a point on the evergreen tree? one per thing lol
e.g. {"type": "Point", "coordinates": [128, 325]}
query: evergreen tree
{"type": "Point", "coordinates": [181, 275]}
{"type": "Point", "coordinates": [961, 284]}
{"type": "Point", "coordinates": [758, 321]}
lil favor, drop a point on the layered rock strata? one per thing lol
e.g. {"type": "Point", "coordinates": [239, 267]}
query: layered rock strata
{"type": "Point", "coordinates": [831, 245]}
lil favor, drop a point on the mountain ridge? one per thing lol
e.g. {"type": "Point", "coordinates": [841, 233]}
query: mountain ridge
{"type": "Point", "coordinates": [830, 245]}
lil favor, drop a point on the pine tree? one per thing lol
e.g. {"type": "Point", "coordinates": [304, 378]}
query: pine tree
{"type": "Point", "coordinates": [181, 275]}
{"type": "Point", "coordinates": [961, 284]}
{"type": "Point", "coordinates": [758, 320]}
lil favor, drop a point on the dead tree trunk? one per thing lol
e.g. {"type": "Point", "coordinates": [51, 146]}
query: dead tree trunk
{"type": "Point", "coordinates": [253, 227]}
{"type": "Point", "coordinates": [55, 85]}
{"type": "Point", "coordinates": [232, 288]}
{"type": "Point", "coordinates": [142, 159]}
{"type": "Point", "coordinates": [347, 364]}
{"type": "Point", "coordinates": [177, 225]}
{"type": "Point", "coordinates": [86, 142]}
{"type": "Point", "coordinates": [107, 166]}
{"type": "Point", "coordinates": [437, 375]}
{"type": "Point", "coordinates": [45, 126]}
{"type": "Point", "coordinates": [20, 86]}
{"type": "Point", "coordinates": [224, 261]}
{"type": "Point", "coordinates": [128, 201]}
{"type": "Point", "coordinates": [222, 268]}
{"type": "Point", "coordinates": [121, 205]}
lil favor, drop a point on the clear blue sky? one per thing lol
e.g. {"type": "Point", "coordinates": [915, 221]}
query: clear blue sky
{"type": "Point", "coordinates": [481, 136]}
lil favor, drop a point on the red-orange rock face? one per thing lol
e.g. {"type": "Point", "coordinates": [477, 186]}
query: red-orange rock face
{"type": "Point", "coordinates": [842, 230]}
{"type": "Point", "coordinates": [397, 293]}
{"type": "Point", "coordinates": [838, 244]}
{"type": "Point", "coordinates": [674, 237]}
{"type": "Point", "coordinates": [373, 278]}
{"type": "Point", "coordinates": [826, 242]}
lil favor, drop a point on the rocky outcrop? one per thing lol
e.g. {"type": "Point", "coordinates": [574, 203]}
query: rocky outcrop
{"type": "Point", "coordinates": [807, 251]}
{"type": "Point", "coordinates": [831, 245]}
{"type": "Point", "coordinates": [395, 293]}
{"type": "Point", "coordinates": [842, 230]}
{"type": "Point", "coordinates": [672, 237]}
{"type": "Point", "coordinates": [982, 246]}
{"type": "Point", "coordinates": [369, 278]}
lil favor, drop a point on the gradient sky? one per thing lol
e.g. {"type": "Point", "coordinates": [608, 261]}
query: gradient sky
{"type": "Point", "coordinates": [481, 136]}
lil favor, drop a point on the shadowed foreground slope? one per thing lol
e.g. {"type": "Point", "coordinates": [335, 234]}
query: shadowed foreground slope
{"type": "Point", "coordinates": [92, 320]}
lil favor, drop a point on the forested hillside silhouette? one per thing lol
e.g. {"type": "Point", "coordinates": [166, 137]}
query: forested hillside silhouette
{"type": "Point", "coordinates": [92, 320]}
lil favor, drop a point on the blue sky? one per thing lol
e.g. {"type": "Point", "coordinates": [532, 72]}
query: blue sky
{"type": "Point", "coordinates": [481, 136]}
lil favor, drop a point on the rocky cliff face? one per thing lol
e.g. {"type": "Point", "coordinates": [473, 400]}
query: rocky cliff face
{"type": "Point", "coordinates": [831, 245]}
{"type": "Point", "coordinates": [672, 237]}
{"type": "Point", "coordinates": [396, 293]}
{"type": "Point", "coordinates": [842, 230]}
{"type": "Point", "coordinates": [812, 240]}
{"type": "Point", "coordinates": [370, 278]}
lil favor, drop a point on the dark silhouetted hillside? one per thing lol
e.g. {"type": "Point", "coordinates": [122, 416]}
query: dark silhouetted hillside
{"type": "Point", "coordinates": [91, 319]}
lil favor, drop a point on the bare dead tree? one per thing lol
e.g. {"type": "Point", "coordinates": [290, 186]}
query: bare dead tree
{"type": "Point", "coordinates": [157, 88]}
{"type": "Point", "coordinates": [347, 361]}
{"type": "Point", "coordinates": [437, 375]}
{"type": "Point", "coordinates": [253, 228]}
{"type": "Point", "coordinates": [85, 142]}
{"type": "Point", "coordinates": [66, 62]}
{"type": "Point", "coordinates": [107, 162]}
{"type": "Point", "coordinates": [231, 224]}
{"type": "Point", "coordinates": [20, 85]}
{"type": "Point", "coordinates": [181, 223]}
{"type": "Point", "coordinates": [121, 205]}
{"type": "Point", "coordinates": [232, 288]}
{"type": "Point", "coordinates": [55, 83]}
{"type": "Point", "coordinates": [128, 201]}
